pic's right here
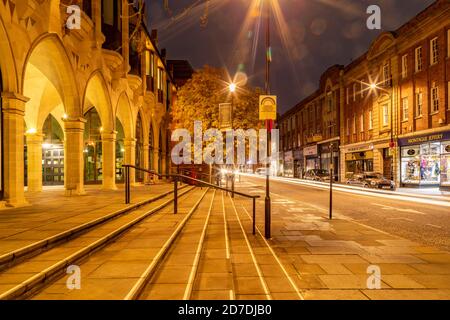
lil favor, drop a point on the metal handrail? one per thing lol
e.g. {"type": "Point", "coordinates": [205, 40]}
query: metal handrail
{"type": "Point", "coordinates": [176, 178]}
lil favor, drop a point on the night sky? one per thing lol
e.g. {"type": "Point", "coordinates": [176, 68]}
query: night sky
{"type": "Point", "coordinates": [317, 35]}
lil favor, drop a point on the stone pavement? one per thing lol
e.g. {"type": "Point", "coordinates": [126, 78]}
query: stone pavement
{"type": "Point", "coordinates": [51, 212]}
{"type": "Point", "coordinates": [329, 259]}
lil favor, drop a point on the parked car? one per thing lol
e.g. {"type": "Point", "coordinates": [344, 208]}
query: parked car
{"type": "Point", "coordinates": [371, 180]}
{"type": "Point", "coordinates": [261, 171]}
{"type": "Point", "coordinates": [317, 175]}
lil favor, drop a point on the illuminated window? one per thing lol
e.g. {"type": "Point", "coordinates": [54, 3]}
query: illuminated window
{"type": "Point", "coordinates": [405, 109]}
{"type": "Point", "coordinates": [435, 97]}
{"type": "Point", "coordinates": [386, 74]}
{"type": "Point", "coordinates": [418, 59]}
{"type": "Point", "coordinates": [348, 95]}
{"type": "Point", "coordinates": [348, 127]}
{"type": "Point", "coordinates": [419, 104]}
{"type": "Point", "coordinates": [361, 88]}
{"type": "Point", "coordinates": [385, 109]}
{"type": "Point", "coordinates": [354, 92]}
{"type": "Point", "coordinates": [361, 123]}
{"type": "Point", "coordinates": [354, 124]}
{"type": "Point", "coordinates": [405, 66]}
{"type": "Point", "coordinates": [434, 53]}
{"type": "Point", "coordinates": [370, 120]}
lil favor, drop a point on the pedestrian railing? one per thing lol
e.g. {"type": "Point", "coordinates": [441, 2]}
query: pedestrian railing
{"type": "Point", "coordinates": [178, 177]}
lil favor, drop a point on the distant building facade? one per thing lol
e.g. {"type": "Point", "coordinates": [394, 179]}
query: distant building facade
{"type": "Point", "coordinates": [393, 106]}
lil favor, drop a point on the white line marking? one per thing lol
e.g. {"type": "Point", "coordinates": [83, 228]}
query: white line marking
{"type": "Point", "coordinates": [191, 279]}
{"type": "Point", "coordinates": [258, 270]}
{"type": "Point", "coordinates": [225, 225]}
{"type": "Point", "coordinates": [276, 258]}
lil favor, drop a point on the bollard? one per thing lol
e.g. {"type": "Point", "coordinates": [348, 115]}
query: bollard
{"type": "Point", "coordinates": [232, 185]}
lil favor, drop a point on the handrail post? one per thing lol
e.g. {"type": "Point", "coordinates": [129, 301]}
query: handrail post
{"type": "Point", "coordinates": [254, 216]}
{"type": "Point", "coordinates": [232, 185]}
{"type": "Point", "coordinates": [175, 195]}
{"type": "Point", "coordinates": [127, 185]}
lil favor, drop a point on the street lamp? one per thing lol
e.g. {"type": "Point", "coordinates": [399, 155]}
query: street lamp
{"type": "Point", "coordinates": [232, 88]}
{"type": "Point", "coordinates": [267, 204]}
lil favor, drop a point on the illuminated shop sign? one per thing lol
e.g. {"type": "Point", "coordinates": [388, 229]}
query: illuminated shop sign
{"type": "Point", "coordinates": [424, 139]}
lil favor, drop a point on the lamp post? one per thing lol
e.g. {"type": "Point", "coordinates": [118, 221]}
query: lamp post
{"type": "Point", "coordinates": [267, 204]}
{"type": "Point", "coordinates": [232, 88]}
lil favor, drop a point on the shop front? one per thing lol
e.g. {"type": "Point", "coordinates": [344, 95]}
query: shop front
{"type": "Point", "coordinates": [298, 164]}
{"type": "Point", "coordinates": [311, 157]}
{"type": "Point", "coordinates": [288, 169]}
{"type": "Point", "coordinates": [425, 160]}
{"type": "Point", "coordinates": [325, 156]}
{"type": "Point", "coordinates": [359, 160]}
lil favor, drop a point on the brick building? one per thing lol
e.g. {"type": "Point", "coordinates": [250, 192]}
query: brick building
{"type": "Point", "coordinates": [393, 109]}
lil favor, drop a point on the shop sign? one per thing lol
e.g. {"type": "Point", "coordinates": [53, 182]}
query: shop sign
{"type": "Point", "coordinates": [288, 156]}
{"type": "Point", "coordinates": [310, 151]}
{"type": "Point", "coordinates": [424, 138]}
{"type": "Point", "coordinates": [298, 154]}
{"type": "Point", "coordinates": [365, 147]}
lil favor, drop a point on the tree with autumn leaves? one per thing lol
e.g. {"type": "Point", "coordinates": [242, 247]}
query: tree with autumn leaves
{"type": "Point", "coordinates": [199, 99]}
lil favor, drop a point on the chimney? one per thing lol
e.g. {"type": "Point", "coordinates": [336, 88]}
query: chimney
{"type": "Point", "coordinates": [163, 54]}
{"type": "Point", "coordinates": [154, 36]}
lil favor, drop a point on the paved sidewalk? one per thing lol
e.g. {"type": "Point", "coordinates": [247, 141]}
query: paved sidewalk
{"type": "Point", "coordinates": [329, 259]}
{"type": "Point", "coordinates": [51, 212]}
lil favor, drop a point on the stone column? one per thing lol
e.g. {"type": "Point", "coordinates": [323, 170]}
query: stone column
{"type": "Point", "coordinates": [130, 156]}
{"type": "Point", "coordinates": [13, 148]}
{"type": "Point", "coordinates": [34, 155]}
{"type": "Point", "coordinates": [147, 176]}
{"type": "Point", "coordinates": [109, 160]}
{"type": "Point", "coordinates": [73, 156]}
{"type": "Point", "coordinates": [156, 161]}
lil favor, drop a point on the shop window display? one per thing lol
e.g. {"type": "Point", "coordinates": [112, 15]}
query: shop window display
{"type": "Point", "coordinates": [445, 165]}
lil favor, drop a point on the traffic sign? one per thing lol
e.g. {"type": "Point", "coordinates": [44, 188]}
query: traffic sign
{"type": "Point", "coordinates": [267, 107]}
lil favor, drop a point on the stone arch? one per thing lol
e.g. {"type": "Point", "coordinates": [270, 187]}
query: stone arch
{"type": "Point", "coordinates": [125, 115]}
{"type": "Point", "coordinates": [7, 62]}
{"type": "Point", "coordinates": [96, 94]}
{"type": "Point", "coordinates": [48, 57]}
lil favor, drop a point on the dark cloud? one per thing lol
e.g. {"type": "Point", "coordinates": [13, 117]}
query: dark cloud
{"type": "Point", "coordinates": [322, 33]}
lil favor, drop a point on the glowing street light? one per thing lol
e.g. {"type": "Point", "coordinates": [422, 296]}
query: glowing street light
{"type": "Point", "coordinates": [232, 87]}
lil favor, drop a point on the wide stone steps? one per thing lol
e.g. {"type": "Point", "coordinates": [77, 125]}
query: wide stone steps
{"type": "Point", "coordinates": [29, 274]}
{"type": "Point", "coordinates": [117, 270]}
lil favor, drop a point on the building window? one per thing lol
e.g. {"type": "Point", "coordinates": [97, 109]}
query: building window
{"type": "Point", "coordinates": [386, 74]}
{"type": "Point", "coordinates": [434, 53]}
{"type": "Point", "coordinates": [354, 92]}
{"type": "Point", "coordinates": [418, 59]}
{"type": "Point", "coordinates": [448, 43]}
{"type": "Point", "coordinates": [354, 124]}
{"type": "Point", "coordinates": [329, 102]}
{"type": "Point", "coordinates": [370, 120]}
{"type": "Point", "coordinates": [361, 122]}
{"type": "Point", "coordinates": [348, 95]}
{"type": "Point", "coordinates": [404, 66]}
{"type": "Point", "coordinates": [405, 109]}
{"type": "Point", "coordinates": [419, 104]}
{"type": "Point", "coordinates": [348, 127]}
{"type": "Point", "coordinates": [385, 115]}
{"type": "Point", "coordinates": [361, 88]}
{"type": "Point", "coordinates": [448, 91]}
{"type": "Point", "coordinates": [435, 98]}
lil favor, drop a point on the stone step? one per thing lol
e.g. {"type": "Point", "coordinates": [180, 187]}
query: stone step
{"type": "Point", "coordinates": [23, 279]}
{"type": "Point", "coordinates": [70, 229]}
{"type": "Point", "coordinates": [120, 268]}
